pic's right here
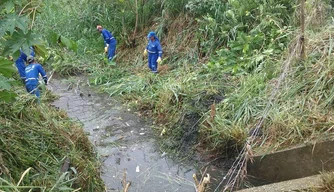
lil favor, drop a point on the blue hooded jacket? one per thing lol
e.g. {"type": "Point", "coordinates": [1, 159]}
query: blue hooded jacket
{"type": "Point", "coordinates": [154, 47]}
{"type": "Point", "coordinates": [20, 62]}
{"type": "Point", "coordinates": [32, 73]}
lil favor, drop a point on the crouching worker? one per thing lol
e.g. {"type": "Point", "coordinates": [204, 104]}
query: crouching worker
{"type": "Point", "coordinates": [32, 74]}
{"type": "Point", "coordinates": [154, 52]}
{"type": "Point", "coordinates": [20, 63]}
{"type": "Point", "coordinates": [109, 42]}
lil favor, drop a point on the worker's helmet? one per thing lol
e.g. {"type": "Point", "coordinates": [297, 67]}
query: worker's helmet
{"type": "Point", "coordinates": [98, 27]}
{"type": "Point", "coordinates": [30, 59]}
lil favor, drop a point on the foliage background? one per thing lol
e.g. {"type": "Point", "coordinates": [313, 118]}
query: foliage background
{"type": "Point", "coordinates": [221, 61]}
{"type": "Point", "coordinates": [35, 139]}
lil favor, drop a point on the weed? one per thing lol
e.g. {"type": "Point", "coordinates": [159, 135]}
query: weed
{"type": "Point", "coordinates": [327, 183]}
{"type": "Point", "coordinates": [39, 137]}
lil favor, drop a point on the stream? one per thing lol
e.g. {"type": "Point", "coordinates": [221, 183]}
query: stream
{"type": "Point", "coordinates": [124, 142]}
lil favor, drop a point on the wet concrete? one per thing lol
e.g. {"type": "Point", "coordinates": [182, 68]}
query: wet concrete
{"type": "Point", "coordinates": [123, 141]}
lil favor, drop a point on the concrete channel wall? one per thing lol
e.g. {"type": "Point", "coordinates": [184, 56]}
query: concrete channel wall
{"type": "Point", "coordinates": [294, 163]}
{"type": "Point", "coordinates": [296, 185]}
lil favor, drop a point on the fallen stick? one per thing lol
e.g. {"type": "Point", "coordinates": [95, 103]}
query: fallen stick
{"type": "Point", "coordinates": [125, 184]}
{"type": "Point", "coordinates": [201, 185]}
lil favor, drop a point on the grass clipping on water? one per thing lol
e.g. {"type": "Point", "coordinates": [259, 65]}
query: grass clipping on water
{"type": "Point", "coordinates": [35, 140]}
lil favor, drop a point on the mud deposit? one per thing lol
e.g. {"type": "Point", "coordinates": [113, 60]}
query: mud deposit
{"type": "Point", "coordinates": [124, 142]}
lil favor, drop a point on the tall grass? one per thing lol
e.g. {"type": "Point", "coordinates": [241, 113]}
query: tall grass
{"type": "Point", "coordinates": [218, 71]}
{"type": "Point", "coordinates": [35, 140]}
{"type": "Point", "coordinates": [77, 20]}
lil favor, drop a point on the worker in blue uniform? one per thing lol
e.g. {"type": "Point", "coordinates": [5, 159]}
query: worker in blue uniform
{"type": "Point", "coordinates": [32, 75]}
{"type": "Point", "coordinates": [154, 51]}
{"type": "Point", "coordinates": [32, 51]}
{"type": "Point", "coordinates": [109, 42]}
{"type": "Point", "coordinates": [20, 63]}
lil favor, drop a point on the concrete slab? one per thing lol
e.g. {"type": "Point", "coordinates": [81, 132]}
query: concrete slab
{"type": "Point", "coordinates": [291, 185]}
{"type": "Point", "coordinates": [294, 163]}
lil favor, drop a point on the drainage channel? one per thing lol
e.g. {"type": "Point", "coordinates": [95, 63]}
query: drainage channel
{"type": "Point", "coordinates": [124, 142]}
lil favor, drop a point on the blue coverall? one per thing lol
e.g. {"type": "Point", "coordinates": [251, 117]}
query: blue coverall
{"type": "Point", "coordinates": [20, 63]}
{"type": "Point", "coordinates": [111, 41]}
{"type": "Point", "coordinates": [154, 51]}
{"type": "Point", "coordinates": [32, 72]}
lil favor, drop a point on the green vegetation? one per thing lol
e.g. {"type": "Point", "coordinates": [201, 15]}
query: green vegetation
{"type": "Point", "coordinates": [17, 20]}
{"type": "Point", "coordinates": [222, 63]}
{"type": "Point", "coordinates": [39, 138]}
{"type": "Point", "coordinates": [222, 60]}
{"type": "Point", "coordinates": [36, 139]}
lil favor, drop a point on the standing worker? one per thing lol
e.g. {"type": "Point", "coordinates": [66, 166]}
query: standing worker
{"type": "Point", "coordinates": [109, 42]}
{"type": "Point", "coordinates": [154, 52]}
{"type": "Point", "coordinates": [20, 63]}
{"type": "Point", "coordinates": [32, 74]}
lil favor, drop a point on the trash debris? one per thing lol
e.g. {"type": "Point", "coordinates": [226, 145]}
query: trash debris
{"type": "Point", "coordinates": [163, 154]}
{"type": "Point", "coordinates": [137, 169]}
{"type": "Point", "coordinates": [201, 186]}
{"type": "Point", "coordinates": [127, 124]}
{"type": "Point", "coordinates": [141, 133]}
{"type": "Point", "coordinates": [163, 132]}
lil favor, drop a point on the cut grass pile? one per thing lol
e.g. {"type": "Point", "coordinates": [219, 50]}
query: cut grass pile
{"type": "Point", "coordinates": [35, 141]}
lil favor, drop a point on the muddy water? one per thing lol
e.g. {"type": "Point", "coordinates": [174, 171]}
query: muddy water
{"type": "Point", "coordinates": [124, 142]}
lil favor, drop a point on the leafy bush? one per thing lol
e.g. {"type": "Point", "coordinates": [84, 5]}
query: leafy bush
{"type": "Point", "coordinates": [236, 32]}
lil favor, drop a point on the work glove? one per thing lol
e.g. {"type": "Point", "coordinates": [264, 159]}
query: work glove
{"type": "Point", "coordinates": [145, 52]}
{"type": "Point", "coordinates": [159, 60]}
{"type": "Point", "coordinates": [106, 48]}
{"type": "Point", "coordinates": [46, 81]}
